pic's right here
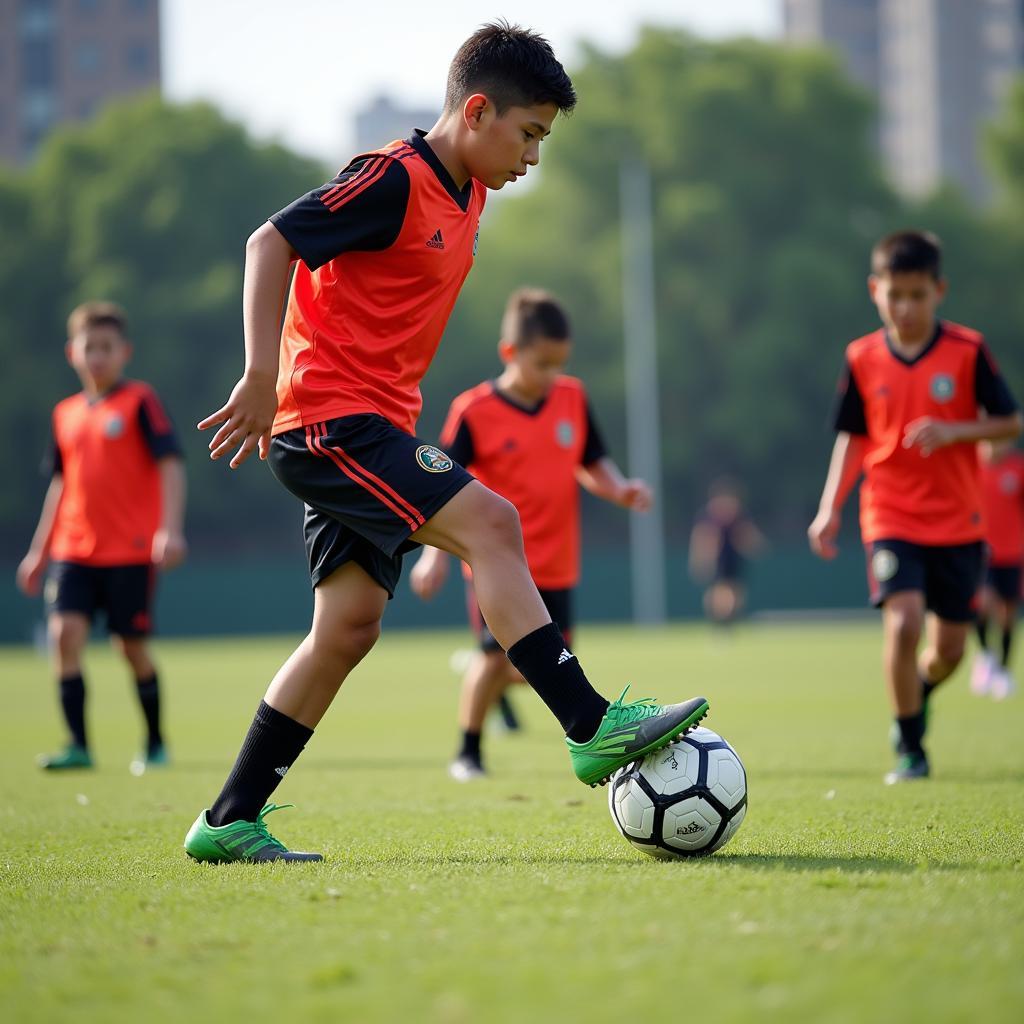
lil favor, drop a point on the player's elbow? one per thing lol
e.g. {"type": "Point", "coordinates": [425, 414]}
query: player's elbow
{"type": "Point", "coordinates": [266, 240]}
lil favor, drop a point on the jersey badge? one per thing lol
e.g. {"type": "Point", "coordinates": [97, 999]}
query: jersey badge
{"type": "Point", "coordinates": [564, 433]}
{"type": "Point", "coordinates": [884, 564]}
{"type": "Point", "coordinates": [113, 427]}
{"type": "Point", "coordinates": [942, 387]}
{"type": "Point", "coordinates": [437, 242]}
{"type": "Point", "coordinates": [432, 459]}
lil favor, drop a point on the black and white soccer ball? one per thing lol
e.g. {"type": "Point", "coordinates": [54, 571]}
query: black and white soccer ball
{"type": "Point", "coordinates": [685, 800]}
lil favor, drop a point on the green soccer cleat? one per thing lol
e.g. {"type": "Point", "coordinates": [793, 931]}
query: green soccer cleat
{"type": "Point", "coordinates": [70, 758]}
{"type": "Point", "coordinates": [154, 757]}
{"type": "Point", "coordinates": [628, 732]}
{"type": "Point", "coordinates": [239, 841]}
{"type": "Point", "coordinates": [910, 768]}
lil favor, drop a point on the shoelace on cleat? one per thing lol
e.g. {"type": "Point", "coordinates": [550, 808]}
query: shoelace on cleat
{"type": "Point", "coordinates": [261, 826]}
{"type": "Point", "coordinates": [634, 710]}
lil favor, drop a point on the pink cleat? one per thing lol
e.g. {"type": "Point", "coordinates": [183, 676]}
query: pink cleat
{"type": "Point", "coordinates": [982, 672]}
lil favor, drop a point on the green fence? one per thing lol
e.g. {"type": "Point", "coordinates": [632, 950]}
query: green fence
{"type": "Point", "coordinates": [273, 596]}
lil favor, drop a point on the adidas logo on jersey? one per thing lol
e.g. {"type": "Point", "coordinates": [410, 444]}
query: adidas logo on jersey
{"type": "Point", "coordinates": [281, 771]}
{"type": "Point", "coordinates": [437, 242]}
{"type": "Point", "coordinates": [565, 656]}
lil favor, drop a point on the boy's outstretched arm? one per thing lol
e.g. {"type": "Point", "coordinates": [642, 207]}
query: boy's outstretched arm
{"type": "Point", "coordinates": [929, 434]}
{"type": "Point", "coordinates": [169, 546]}
{"type": "Point", "coordinates": [248, 415]}
{"type": "Point", "coordinates": [843, 472]}
{"type": "Point", "coordinates": [604, 480]}
{"type": "Point", "coordinates": [33, 565]}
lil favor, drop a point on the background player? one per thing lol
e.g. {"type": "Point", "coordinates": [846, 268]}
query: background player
{"type": "Point", "coordinates": [722, 540]}
{"type": "Point", "coordinates": [529, 436]}
{"type": "Point", "coordinates": [1002, 475]}
{"type": "Point", "coordinates": [914, 397]}
{"type": "Point", "coordinates": [113, 514]}
{"type": "Point", "coordinates": [383, 251]}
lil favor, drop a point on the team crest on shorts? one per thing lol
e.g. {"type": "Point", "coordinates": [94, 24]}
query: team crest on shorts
{"type": "Point", "coordinates": [113, 427]}
{"type": "Point", "coordinates": [884, 564]}
{"type": "Point", "coordinates": [942, 387]}
{"type": "Point", "coordinates": [564, 433]}
{"type": "Point", "coordinates": [432, 459]}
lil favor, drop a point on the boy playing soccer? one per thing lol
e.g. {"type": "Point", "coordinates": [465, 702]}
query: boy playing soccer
{"type": "Point", "coordinates": [914, 398]}
{"type": "Point", "coordinates": [530, 437]}
{"type": "Point", "coordinates": [380, 253]}
{"type": "Point", "coordinates": [1002, 476]}
{"type": "Point", "coordinates": [112, 515]}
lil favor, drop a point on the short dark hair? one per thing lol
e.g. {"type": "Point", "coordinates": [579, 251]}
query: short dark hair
{"type": "Point", "coordinates": [512, 67]}
{"type": "Point", "coordinates": [532, 313]}
{"type": "Point", "coordinates": [907, 252]}
{"type": "Point", "coordinates": [96, 314]}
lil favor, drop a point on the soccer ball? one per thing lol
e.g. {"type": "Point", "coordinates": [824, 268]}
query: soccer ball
{"type": "Point", "coordinates": [685, 800]}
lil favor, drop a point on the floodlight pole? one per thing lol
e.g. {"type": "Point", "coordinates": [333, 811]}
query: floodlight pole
{"type": "Point", "coordinates": [646, 530]}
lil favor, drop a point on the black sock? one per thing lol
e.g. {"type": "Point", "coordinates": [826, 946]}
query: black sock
{"type": "Point", "coordinates": [911, 732]}
{"type": "Point", "coordinates": [470, 746]}
{"type": "Point", "coordinates": [271, 746]}
{"type": "Point", "coordinates": [927, 688]}
{"type": "Point", "coordinates": [546, 664]}
{"type": "Point", "coordinates": [72, 702]}
{"type": "Point", "coordinates": [1007, 640]}
{"type": "Point", "coordinates": [981, 628]}
{"type": "Point", "coordinates": [149, 698]}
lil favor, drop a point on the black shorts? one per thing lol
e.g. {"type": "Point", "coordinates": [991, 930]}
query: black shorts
{"type": "Point", "coordinates": [1005, 581]}
{"type": "Point", "coordinates": [949, 576]}
{"type": "Point", "coordinates": [367, 486]}
{"type": "Point", "coordinates": [123, 592]}
{"type": "Point", "coordinates": [557, 602]}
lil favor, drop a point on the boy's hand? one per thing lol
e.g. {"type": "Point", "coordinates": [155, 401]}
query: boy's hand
{"type": "Point", "coordinates": [246, 419]}
{"type": "Point", "coordinates": [822, 534]}
{"type": "Point", "coordinates": [636, 495]}
{"type": "Point", "coordinates": [169, 549]}
{"type": "Point", "coordinates": [929, 434]}
{"type": "Point", "coordinates": [428, 575]}
{"type": "Point", "coordinates": [30, 573]}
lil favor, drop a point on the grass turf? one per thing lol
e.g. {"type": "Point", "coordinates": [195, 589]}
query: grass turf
{"type": "Point", "coordinates": [514, 899]}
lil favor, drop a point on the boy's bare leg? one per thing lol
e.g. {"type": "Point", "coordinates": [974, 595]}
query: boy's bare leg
{"type": "Point", "coordinates": [347, 608]}
{"type": "Point", "coordinates": [483, 682]}
{"type": "Point", "coordinates": [945, 645]}
{"type": "Point", "coordinates": [135, 650]}
{"type": "Point", "coordinates": [902, 622]}
{"type": "Point", "coordinates": [69, 633]}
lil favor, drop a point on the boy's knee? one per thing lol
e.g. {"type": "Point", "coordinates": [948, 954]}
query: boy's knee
{"type": "Point", "coordinates": [905, 626]}
{"type": "Point", "coordinates": [349, 641]}
{"type": "Point", "coordinates": [498, 523]}
{"type": "Point", "coordinates": [950, 650]}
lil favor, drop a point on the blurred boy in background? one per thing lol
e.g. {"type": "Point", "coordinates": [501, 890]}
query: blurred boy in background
{"type": "Point", "coordinates": [113, 515]}
{"type": "Point", "coordinates": [531, 437]}
{"type": "Point", "coordinates": [1002, 476]}
{"type": "Point", "coordinates": [914, 398]}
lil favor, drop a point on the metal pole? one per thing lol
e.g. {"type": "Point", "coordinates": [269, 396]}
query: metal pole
{"type": "Point", "coordinates": [646, 530]}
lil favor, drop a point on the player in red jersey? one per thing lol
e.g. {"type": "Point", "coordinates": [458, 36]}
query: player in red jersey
{"type": "Point", "coordinates": [1002, 475]}
{"type": "Point", "coordinates": [914, 397]}
{"type": "Point", "coordinates": [529, 436]}
{"type": "Point", "coordinates": [380, 253]}
{"type": "Point", "coordinates": [112, 515]}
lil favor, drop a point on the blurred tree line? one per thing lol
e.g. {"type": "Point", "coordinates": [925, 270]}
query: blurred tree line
{"type": "Point", "coordinates": [768, 196]}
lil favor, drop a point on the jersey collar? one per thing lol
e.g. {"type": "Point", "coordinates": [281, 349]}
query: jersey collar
{"type": "Point", "coordinates": [112, 390]}
{"type": "Point", "coordinates": [529, 410]}
{"type": "Point", "coordinates": [462, 197]}
{"type": "Point", "coordinates": [920, 355]}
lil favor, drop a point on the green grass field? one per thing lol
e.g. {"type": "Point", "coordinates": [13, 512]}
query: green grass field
{"type": "Point", "coordinates": [514, 899]}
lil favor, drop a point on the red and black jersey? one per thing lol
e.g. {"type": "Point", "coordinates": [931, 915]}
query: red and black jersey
{"type": "Point", "coordinates": [106, 450]}
{"type": "Point", "coordinates": [934, 499]}
{"type": "Point", "coordinates": [529, 456]}
{"type": "Point", "coordinates": [384, 247]}
{"type": "Point", "coordinates": [1003, 491]}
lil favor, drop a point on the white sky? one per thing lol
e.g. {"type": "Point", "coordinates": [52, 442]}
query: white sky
{"type": "Point", "coordinates": [298, 70]}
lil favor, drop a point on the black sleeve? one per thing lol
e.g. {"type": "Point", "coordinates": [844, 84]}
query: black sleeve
{"type": "Point", "coordinates": [157, 429]}
{"type": "Point", "coordinates": [594, 448]}
{"type": "Point", "coordinates": [361, 209]}
{"type": "Point", "coordinates": [53, 462]}
{"type": "Point", "coordinates": [848, 412]}
{"type": "Point", "coordinates": [990, 388]}
{"type": "Point", "coordinates": [461, 447]}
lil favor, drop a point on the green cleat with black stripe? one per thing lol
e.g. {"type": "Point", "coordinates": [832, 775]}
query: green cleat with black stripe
{"type": "Point", "coordinates": [630, 731]}
{"type": "Point", "coordinates": [248, 841]}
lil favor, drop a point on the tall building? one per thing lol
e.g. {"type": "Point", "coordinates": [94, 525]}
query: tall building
{"type": "Point", "coordinates": [940, 69]}
{"type": "Point", "coordinates": [383, 121]}
{"type": "Point", "coordinates": [61, 59]}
